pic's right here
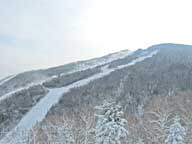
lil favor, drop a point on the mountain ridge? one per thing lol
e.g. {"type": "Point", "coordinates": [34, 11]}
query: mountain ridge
{"type": "Point", "coordinates": [137, 81]}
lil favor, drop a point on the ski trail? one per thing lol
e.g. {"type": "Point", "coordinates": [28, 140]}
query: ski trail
{"type": "Point", "coordinates": [7, 79]}
{"type": "Point", "coordinates": [40, 110]}
{"type": "Point", "coordinates": [9, 94]}
{"type": "Point", "coordinates": [100, 61]}
{"type": "Point", "coordinates": [95, 63]}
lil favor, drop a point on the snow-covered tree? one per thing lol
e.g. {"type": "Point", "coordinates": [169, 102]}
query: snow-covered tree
{"type": "Point", "coordinates": [140, 141]}
{"type": "Point", "coordinates": [52, 133]}
{"type": "Point", "coordinates": [110, 126]}
{"type": "Point", "coordinates": [140, 110]}
{"type": "Point", "coordinates": [87, 123]}
{"type": "Point", "coordinates": [176, 132]}
{"type": "Point", "coordinates": [59, 134]}
{"type": "Point", "coordinates": [20, 136]}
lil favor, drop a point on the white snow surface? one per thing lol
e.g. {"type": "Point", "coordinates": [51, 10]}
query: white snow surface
{"type": "Point", "coordinates": [100, 61]}
{"type": "Point", "coordinates": [7, 79]}
{"type": "Point", "coordinates": [40, 110]}
{"type": "Point", "coordinates": [89, 65]}
{"type": "Point", "coordinates": [7, 95]}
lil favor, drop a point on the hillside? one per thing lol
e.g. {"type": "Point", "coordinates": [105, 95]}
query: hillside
{"type": "Point", "coordinates": [153, 86]}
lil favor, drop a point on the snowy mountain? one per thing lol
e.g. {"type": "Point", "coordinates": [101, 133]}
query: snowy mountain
{"type": "Point", "coordinates": [28, 79]}
{"type": "Point", "coordinates": [152, 86]}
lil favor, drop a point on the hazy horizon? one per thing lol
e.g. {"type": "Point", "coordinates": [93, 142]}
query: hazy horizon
{"type": "Point", "coordinates": [47, 67]}
{"type": "Point", "coordinates": [37, 34]}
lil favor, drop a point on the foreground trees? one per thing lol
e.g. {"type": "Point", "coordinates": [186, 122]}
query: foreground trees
{"type": "Point", "coordinates": [110, 126]}
{"type": "Point", "coordinates": [166, 120]}
{"type": "Point", "coordinates": [176, 132]}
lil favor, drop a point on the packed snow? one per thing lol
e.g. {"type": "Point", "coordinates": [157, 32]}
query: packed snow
{"type": "Point", "coordinates": [101, 61]}
{"type": "Point", "coordinates": [40, 110]}
{"type": "Point", "coordinates": [138, 60]}
{"type": "Point", "coordinates": [10, 94]}
{"type": "Point", "coordinates": [7, 79]}
{"type": "Point", "coordinates": [7, 95]}
{"type": "Point", "coordinates": [92, 64]}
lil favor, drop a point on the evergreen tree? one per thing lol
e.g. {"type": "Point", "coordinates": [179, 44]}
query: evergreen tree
{"type": "Point", "coordinates": [176, 133]}
{"type": "Point", "coordinates": [111, 126]}
{"type": "Point", "coordinates": [140, 141]}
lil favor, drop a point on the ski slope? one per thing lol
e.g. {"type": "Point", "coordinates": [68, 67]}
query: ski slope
{"type": "Point", "coordinates": [7, 79]}
{"type": "Point", "coordinates": [40, 110]}
{"type": "Point", "coordinates": [100, 61]}
{"type": "Point", "coordinates": [87, 65]}
{"type": "Point", "coordinates": [7, 95]}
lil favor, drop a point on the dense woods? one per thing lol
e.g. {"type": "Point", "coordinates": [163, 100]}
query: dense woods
{"type": "Point", "coordinates": [146, 103]}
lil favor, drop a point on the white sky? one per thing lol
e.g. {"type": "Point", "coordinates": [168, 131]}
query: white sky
{"type": "Point", "coordinates": [44, 33]}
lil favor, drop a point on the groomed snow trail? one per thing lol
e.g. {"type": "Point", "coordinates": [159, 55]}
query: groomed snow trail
{"type": "Point", "coordinates": [7, 95]}
{"type": "Point", "coordinates": [40, 110]}
{"type": "Point", "coordinates": [100, 61]}
{"type": "Point", "coordinates": [7, 79]}
{"type": "Point", "coordinates": [95, 63]}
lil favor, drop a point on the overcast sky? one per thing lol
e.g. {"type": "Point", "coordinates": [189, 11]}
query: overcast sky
{"type": "Point", "coordinates": [44, 33]}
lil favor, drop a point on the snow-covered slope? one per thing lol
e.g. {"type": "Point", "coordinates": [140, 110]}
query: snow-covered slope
{"type": "Point", "coordinates": [39, 77]}
{"type": "Point", "coordinates": [39, 111]}
{"type": "Point", "coordinates": [7, 79]}
{"type": "Point", "coordinates": [151, 85]}
{"type": "Point", "coordinates": [151, 92]}
{"type": "Point", "coordinates": [11, 93]}
{"type": "Point", "coordinates": [103, 60]}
